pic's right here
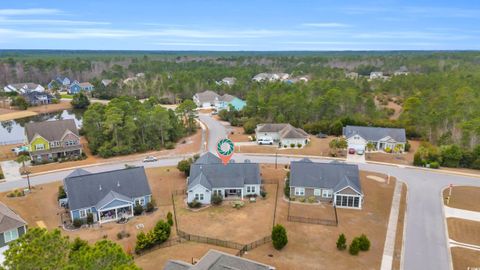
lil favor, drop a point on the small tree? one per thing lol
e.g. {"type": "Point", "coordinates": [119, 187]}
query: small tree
{"type": "Point", "coordinates": [184, 166]}
{"type": "Point", "coordinates": [89, 218]}
{"type": "Point", "coordinates": [20, 102]}
{"type": "Point", "coordinates": [279, 237]}
{"type": "Point", "coordinates": [364, 243]}
{"type": "Point", "coordinates": [170, 218]}
{"type": "Point", "coordinates": [341, 242]}
{"type": "Point", "coordinates": [354, 247]}
{"type": "Point", "coordinates": [216, 199]}
{"type": "Point", "coordinates": [137, 209]}
{"type": "Point", "coordinates": [77, 223]}
{"type": "Point", "coordinates": [150, 207]}
{"type": "Point", "coordinates": [61, 193]}
{"type": "Point", "coordinates": [80, 101]}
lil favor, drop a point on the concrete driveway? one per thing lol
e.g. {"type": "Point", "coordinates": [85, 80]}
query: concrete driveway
{"type": "Point", "coordinates": [11, 169]}
{"type": "Point", "coordinates": [354, 158]}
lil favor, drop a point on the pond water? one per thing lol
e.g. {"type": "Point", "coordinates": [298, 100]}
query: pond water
{"type": "Point", "coordinates": [13, 131]}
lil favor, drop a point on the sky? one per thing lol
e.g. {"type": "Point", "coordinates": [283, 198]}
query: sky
{"type": "Point", "coordinates": [242, 25]}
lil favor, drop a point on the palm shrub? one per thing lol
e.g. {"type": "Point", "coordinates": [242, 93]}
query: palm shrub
{"type": "Point", "coordinates": [342, 242]}
{"type": "Point", "coordinates": [279, 237]}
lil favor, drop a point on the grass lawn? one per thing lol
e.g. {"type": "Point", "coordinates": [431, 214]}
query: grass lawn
{"type": "Point", "coordinates": [464, 258]}
{"type": "Point", "coordinates": [464, 231]}
{"type": "Point", "coordinates": [66, 96]}
{"type": "Point", "coordinates": [464, 197]}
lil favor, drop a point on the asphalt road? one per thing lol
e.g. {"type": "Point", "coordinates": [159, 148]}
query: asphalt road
{"type": "Point", "coordinates": [425, 238]}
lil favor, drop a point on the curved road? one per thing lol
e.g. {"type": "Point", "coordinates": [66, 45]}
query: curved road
{"type": "Point", "coordinates": [425, 239]}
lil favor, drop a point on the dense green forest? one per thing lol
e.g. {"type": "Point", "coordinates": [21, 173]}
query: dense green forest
{"type": "Point", "coordinates": [438, 101]}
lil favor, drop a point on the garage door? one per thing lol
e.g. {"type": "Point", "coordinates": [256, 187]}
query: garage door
{"type": "Point", "coordinates": [357, 146]}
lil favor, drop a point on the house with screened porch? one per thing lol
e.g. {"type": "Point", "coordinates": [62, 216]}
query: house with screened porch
{"type": "Point", "coordinates": [108, 196]}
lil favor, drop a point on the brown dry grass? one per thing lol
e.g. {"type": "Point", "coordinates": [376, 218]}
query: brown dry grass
{"type": "Point", "coordinates": [238, 135]}
{"type": "Point", "coordinates": [316, 147]}
{"type": "Point", "coordinates": [41, 205]}
{"type": "Point", "coordinates": [16, 115]}
{"type": "Point", "coordinates": [397, 254]}
{"type": "Point", "coordinates": [186, 252]}
{"type": "Point", "coordinates": [464, 197]}
{"type": "Point", "coordinates": [405, 159]}
{"type": "Point", "coordinates": [464, 258]}
{"type": "Point", "coordinates": [62, 105]}
{"type": "Point", "coordinates": [464, 231]}
{"type": "Point", "coordinates": [6, 152]}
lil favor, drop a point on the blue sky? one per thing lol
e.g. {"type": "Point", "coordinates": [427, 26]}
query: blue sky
{"type": "Point", "coordinates": [240, 25]}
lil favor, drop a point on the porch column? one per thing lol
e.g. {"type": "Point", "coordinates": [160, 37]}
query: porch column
{"type": "Point", "coordinates": [131, 210]}
{"type": "Point", "coordinates": [116, 214]}
{"type": "Point", "coordinates": [241, 193]}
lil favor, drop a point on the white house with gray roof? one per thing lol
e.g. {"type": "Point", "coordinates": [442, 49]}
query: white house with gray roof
{"type": "Point", "coordinates": [217, 260]}
{"type": "Point", "coordinates": [382, 138]}
{"type": "Point", "coordinates": [337, 183]}
{"type": "Point", "coordinates": [109, 195]}
{"type": "Point", "coordinates": [283, 134]}
{"type": "Point", "coordinates": [210, 99]}
{"type": "Point", "coordinates": [208, 176]}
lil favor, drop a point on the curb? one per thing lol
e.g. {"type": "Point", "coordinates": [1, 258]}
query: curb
{"type": "Point", "coordinates": [449, 251]}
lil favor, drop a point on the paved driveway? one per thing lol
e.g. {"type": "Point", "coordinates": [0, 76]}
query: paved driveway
{"type": "Point", "coordinates": [354, 158]}
{"type": "Point", "coordinates": [11, 169]}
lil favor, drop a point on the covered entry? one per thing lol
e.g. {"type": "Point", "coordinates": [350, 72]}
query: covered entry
{"type": "Point", "coordinates": [113, 207]}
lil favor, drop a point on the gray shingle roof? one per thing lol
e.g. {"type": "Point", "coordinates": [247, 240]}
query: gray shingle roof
{"type": "Point", "coordinates": [50, 130]}
{"type": "Point", "coordinates": [207, 96]}
{"type": "Point", "coordinates": [209, 170]}
{"type": "Point", "coordinates": [286, 131]}
{"type": "Point", "coordinates": [375, 133]}
{"type": "Point", "coordinates": [78, 172]}
{"type": "Point", "coordinates": [9, 220]}
{"type": "Point", "coordinates": [112, 195]}
{"type": "Point", "coordinates": [177, 265]}
{"type": "Point", "coordinates": [216, 260]}
{"type": "Point", "coordinates": [88, 190]}
{"type": "Point", "coordinates": [336, 176]}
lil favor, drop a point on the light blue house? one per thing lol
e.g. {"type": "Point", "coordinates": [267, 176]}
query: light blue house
{"type": "Point", "coordinates": [108, 196]}
{"type": "Point", "coordinates": [76, 87]}
{"type": "Point", "coordinates": [224, 102]}
{"type": "Point", "coordinates": [238, 104]}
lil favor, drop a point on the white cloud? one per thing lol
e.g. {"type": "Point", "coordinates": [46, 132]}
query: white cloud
{"type": "Point", "coordinates": [326, 25]}
{"type": "Point", "coordinates": [196, 44]}
{"type": "Point", "coordinates": [5, 21]}
{"type": "Point", "coordinates": [29, 11]}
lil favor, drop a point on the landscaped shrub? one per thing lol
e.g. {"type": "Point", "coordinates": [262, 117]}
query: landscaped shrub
{"type": "Point", "coordinates": [216, 199]}
{"type": "Point", "coordinates": [364, 243]}
{"type": "Point", "coordinates": [144, 241]}
{"type": "Point", "coordinates": [194, 204]}
{"type": "Point", "coordinates": [301, 199]}
{"type": "Point", "coordinates": [89, 218]}
{"type": "Point", "coordinates": [279, 237]}
{"type": "Point", "coordinates": [1, 175]}
{"type": "Point", "coordinates": [417, 159]}
{"type": "Point", "coordinates": [122, 234]}
{"type": "Point", "coordinates": [16, 193]}
{"type": "Point", "coordinates": [263, 193]}
{"type": "Point", "coordinates": [77, 223]}
{"type": "Point", "coordinates": [354, 247]}
{"type": "Point", "coordinates": [286, 189]}
{"type": "Point", "coordinates": [434, 165]}
{"type": "Point", "coordinates": [292, 145]}
{"type": "Point", "coordinates": [137, 209]}
{"type": "Point", "coordinates": [61, 193]}
{"type": "Point", "coordinates": [284, 146]}
{"type": "Point", "coordinates": [170, 218]}
{"type": "Point", "coordinates": [476, 164]}
{"type": "Point", "coordinates": [150, 207]}
{"type": "Point", "coordinates": [299, 145]}
{"type": "Point", "coordinates": [388, 150]}
{"type": "Point", "coordinates": [161, 232]}
{"type": "Point", "coordinates": [407, 146]}
{"type": "Point", "coordinates": [342, 242]}
{"type": "Point", "coordinates": [311, 199]}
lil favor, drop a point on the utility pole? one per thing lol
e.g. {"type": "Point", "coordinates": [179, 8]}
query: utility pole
{"type": "Point", "coordinates": [276, 157]}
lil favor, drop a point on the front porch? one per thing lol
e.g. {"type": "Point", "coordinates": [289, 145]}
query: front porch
{"type": "Point", "coordinates": [230, 193]}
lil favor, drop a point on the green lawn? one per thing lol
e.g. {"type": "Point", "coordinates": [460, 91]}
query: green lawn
{"type": "Point", "coordinates": [66, 96]}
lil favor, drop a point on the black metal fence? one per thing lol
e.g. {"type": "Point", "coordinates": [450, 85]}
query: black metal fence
{"type": "Point", "coordinates": [168, 243]}
{"type": "Point", "coordinates": [254, 244]}
{"type": "Point", "coordinates": [327, 222]}
{"type": "Point", "coordinates": [209, 240]}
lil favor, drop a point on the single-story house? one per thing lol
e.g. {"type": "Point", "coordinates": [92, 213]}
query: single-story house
{"type": "Point", "coordinates": [76, 87]}
{"type": "Point", "coordinates": [22, 88]}
{"type": "Point", "coordinates": [209, 176]}
{"type": "Point", "coordinates": [284, 134]}
{"type": "Point", "coordinates": [106, 82]}
{"type": "Point", "coordinates": [52, 139]}
{"type": "Point", "coordinates": [109, 195]}
{"type": "Point", "coordinates": [210, 99]}
{"type": "Point", "coordinates": [218, 260]}
{"type": "Point", "coordinates": [382, 138]}
{"type": "Point", "coordinates": [12, 226]}
{"type": "Point", "coordinates": [338, 183]}
{"type": "Point", "coordinates": [35, 98]}
{"type": "Point", "coordinates": [375, 75]}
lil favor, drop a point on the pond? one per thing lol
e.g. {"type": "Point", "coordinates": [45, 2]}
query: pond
{"type": "Point", "coordinates": [13, 131]}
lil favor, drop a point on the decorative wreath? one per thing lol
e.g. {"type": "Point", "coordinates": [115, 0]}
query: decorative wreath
{"type": "Point", "coordinates": [221, 147]}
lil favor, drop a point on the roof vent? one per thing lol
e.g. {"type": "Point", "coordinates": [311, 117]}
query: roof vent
{"type": "Point", "coordinates": [118, 183]}
{"type": "Point", "coordinates": [100, 187]}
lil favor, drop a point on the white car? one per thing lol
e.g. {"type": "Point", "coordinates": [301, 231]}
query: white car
{"type": "Point", "coordinates": [265, 141]}
{"type": "Point", "coordinates": [150, 159]}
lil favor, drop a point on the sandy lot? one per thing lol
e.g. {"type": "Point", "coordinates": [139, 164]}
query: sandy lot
{"type": "Point", "coordinates": [162, 181]}
{"type": "Point", "coordinates": [464, 231]}
{"type": "Point", "coordinates": [6, 152]}
{"type": "Point", "coordinates": [316, 147]}
{"type": "Point", "coordinates": [464, 197]}
{"type": "Point", "coordinates": [464, 258]}
{"type": "Point", "coordinates": [237, 135]}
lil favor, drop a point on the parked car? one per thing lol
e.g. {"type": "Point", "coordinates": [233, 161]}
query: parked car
{"type": "Point", "coordinates": [360, 152]}
{"type": "Point", "coordinates": [351, 151]}
{"type": "Point", "coordinates": [265, 141]}
{"type": "Point", "coordinates": [150, 159]}
{"type": "Point", "coordinates": [322, 135]}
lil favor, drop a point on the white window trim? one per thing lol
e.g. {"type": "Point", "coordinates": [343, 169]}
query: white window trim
{"type": "Point", "coordinates": [317, 192]}
{"type": "Point", "coordinates": [39, 146]}
{"type": "Point", "coordinates": [299, 191]}
{"type": "Point", "coordinates": [85, 211]}
{"type": "Point", "coordinates": [13, 232]}
{"type": "Point", "coordinates": [140, 200]}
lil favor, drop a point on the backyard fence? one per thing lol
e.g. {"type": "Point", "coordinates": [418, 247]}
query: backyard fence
{"type": "Point", "coordinates": [168, 243]}
{"type": "Point", "coordinates": [211, 241]}
{"type": "Point", "coordinates": [327, 222]}
{"type": "Point", "coordinates": [269, 182]}
{"type": "Point", "coordinates": [254, 244]}
{"type": "Point", "coordinates": [179, 192]}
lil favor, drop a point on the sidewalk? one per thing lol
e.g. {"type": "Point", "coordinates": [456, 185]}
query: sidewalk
{"type": "Point", "coordinates": [387, 259]}
{"type": "Point", "coordinates": [460, 213]}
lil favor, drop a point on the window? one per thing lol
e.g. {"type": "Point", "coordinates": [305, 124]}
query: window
{"type": "Point", "coordinates": [199, 197]}
{"type": "Point", "coordinates": [327, 193]}
{"type": "Point", "coordinates": [316, 192]}
{"type": "Point", "coordinates": [299, 192]}
{"type": "Point", "coordinates": [253, 189]}
{"type": "Point", "coordinates": [70, 143]}
{"type": "Point", "coordinates": [356, 202]}
{"type": "Point", "coordinates": [140, 201]}
{"type": "Point", "coordinates": [10, 235]}
{"type": "Point", "coordinates": [39, 146]}
{"type": "Point", "coordinates": [83, 213]}
{"type": "Point", "coordinates": [248, 188]}
{"type": "Point", "coordinates": [217, 192]}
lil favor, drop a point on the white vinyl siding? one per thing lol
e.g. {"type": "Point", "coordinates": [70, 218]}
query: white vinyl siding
{"type": "Point", "coordinates": [317, 192]}
{"type": "Point", "coordinates": [199, 197]}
